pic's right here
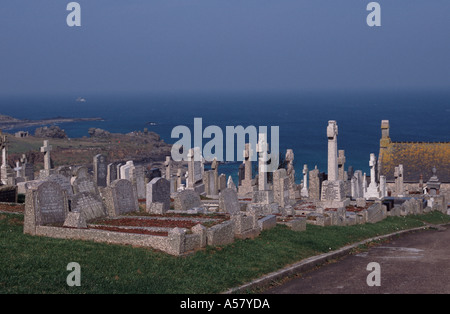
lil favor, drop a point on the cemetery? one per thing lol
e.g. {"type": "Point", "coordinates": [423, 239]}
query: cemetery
{"type": "Point", "coordinates": [179, 210]}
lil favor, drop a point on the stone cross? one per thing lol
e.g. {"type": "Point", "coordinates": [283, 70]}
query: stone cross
{"type": "Point", "coordinates": [18, 169]}
{"type": "Point", "coordinates": [46, 149]}
{"type": "Point", "coordinates": [332, 132]}
{"type": "Point", "coordinates": [372, 164]}
{"type": "Point", "coordinates": [304, 191]}
{"type": "Point", "coordinates": [263, 148]}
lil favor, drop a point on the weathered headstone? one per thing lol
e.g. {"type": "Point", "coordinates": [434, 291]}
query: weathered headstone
{"type": "Point", "coordinates": [89, 205]}
{"type": "Point", "coordinates": [281, 187]}
{"type": "Point", "coordinates": [158, 196]}
{"type": "Point", "coordinates": [186, 200]}
{"type": "Point", "coordinates": [228, 201]}
{"type": "Point", "coordinates": [137, 177]}
{"type": "Point", "coordinates": [290, 171]}
{"type": "Point", "coordinates": [314, 184]}
{"type": "Point", "coordinates": [121, 198]}
{"type": "Point", "coordinates": [45, 204]}
{"type": "Point", "coordinates": [65, 171]}
{"type": "Point", "coordinates": [125, 170]}
{"type": "Point", "coordinates": [222, 182]}
{"type": "Point", "coordinates": [100, 170]}
{"type": "Point", "coordinates": [63, 182]}
{"type": "Point", "coordinates": [27, 169]}
{"type": "Point", "coordinates": [247, 184]}
{"type": "Point", "coordinates": [195, 171]}
{"type": "Point", "coordinates": [111, 173]}
{"type": "Point", "coordinates": [85, 184]}
{"type": "Point", "coordinates": [209, 182]}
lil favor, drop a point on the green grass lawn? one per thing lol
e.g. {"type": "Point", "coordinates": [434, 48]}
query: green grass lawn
{"type": "Point", "coordinates": [30, 264]}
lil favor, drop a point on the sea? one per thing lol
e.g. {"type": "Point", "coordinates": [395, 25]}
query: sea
{"type": "Point", "coordinates": [301, 117]}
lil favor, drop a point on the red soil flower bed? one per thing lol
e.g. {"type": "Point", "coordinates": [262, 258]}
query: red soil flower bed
{"type": "Point", "coordinates": [137, 222]}
{"type": "Point", "coordinates": [8, 207]}
{"type": "Point", "coordinates": [137, 231]}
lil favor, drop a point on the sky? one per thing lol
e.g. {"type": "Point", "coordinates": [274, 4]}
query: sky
{"type": "Point", "coordinates": [222, 45]}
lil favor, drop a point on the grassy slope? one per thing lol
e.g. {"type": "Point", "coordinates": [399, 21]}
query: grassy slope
{"type": "Point", "coordinates": [38, 265]}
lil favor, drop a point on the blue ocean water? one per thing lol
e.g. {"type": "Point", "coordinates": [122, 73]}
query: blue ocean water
{"type": "Point", "coordinates": [302, 118]}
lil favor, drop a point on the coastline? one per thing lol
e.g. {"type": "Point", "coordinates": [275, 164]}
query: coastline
{"type": "Point", "coordinates": [11, 123]}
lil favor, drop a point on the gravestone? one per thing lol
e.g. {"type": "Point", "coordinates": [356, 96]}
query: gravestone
{"type": "Point", "coordinates": [117, 172]}
{"type": "Point", "coordinates": [372, 191]}
{"type": "Point", "coordinates": [80, 172]}
{"type": "Point", "coordinates": [100, 170]}
{"type": "Point", "coordinates": [65, 171]}
{"type": "Point", "coordinates": [111, 173]}
{"type": "Point", "coordinates": [85, 184]}
{"type": "Point", "coordinates": [158, 196]}
{"type": "Point", "coordinates": [195, 171]}
{"type": "Point", "coordinates": [222, 182]}
{"type": "Point", "coordinates": [27, 168]}
{"type": "Point", "coordinates": [247, 185]}
{"type": "Point", "coordinates": [230, 184]}
{"type": "Point", "coordinates": [290, 172]}
{"type": "Point", "coordinates": [333, 189]}
{"type": "Point", "coordinates": [209, 182]}
{"type": "Point", "coordinates": [314, 184]}
{"type": "Point", "coordinates": [121, 198]}
{"type": "Point", "coordinates": [154, 173]}
{"type": "Point", "coordinates": [137, 177]}
{"type": "Point", "coordinates": [304, 191]}
{"type": "Point", "coordinates": [281, 187]}
{"type": "Point", "coordinates": [228, 201]}
{"type": "Point", "coordinates": [186, 200]}
{"type": "Point", "coordinates": [433, 184]}
{"type": "Point", "coordinates": [45, 204]}
{"type": "Point", "coordinates": [89, 205]}
{"type": "Point", "coordinates": [125, 170]}
{"type": "Point", "coordinates": [63, 182]}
